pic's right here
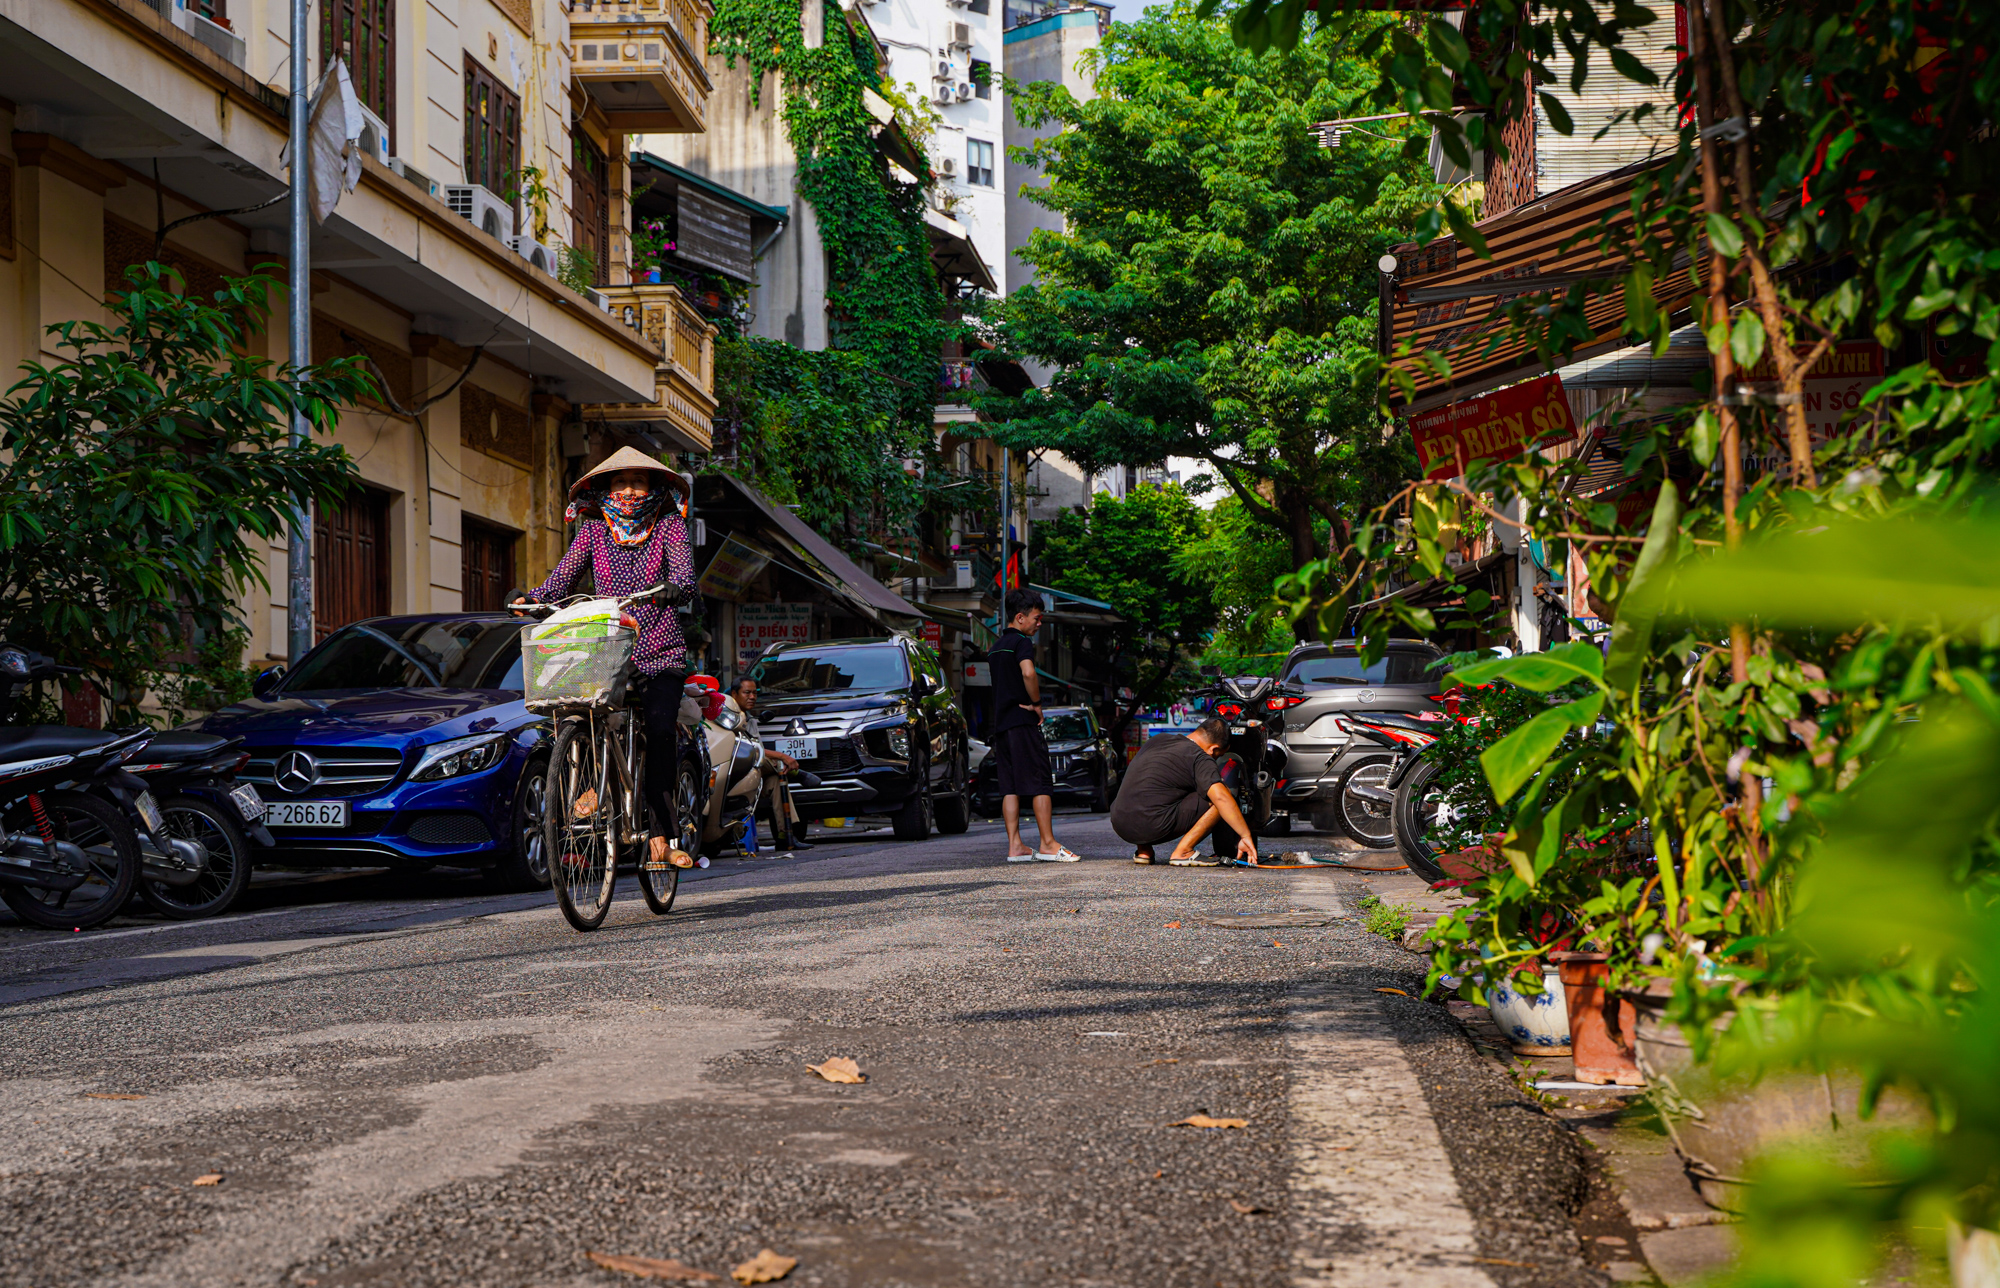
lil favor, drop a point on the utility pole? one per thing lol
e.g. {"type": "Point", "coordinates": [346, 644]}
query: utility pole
{"type": "Point", "coordinates": [299, 569]}
{"type": "Point", "coordinates": [1006, 525]}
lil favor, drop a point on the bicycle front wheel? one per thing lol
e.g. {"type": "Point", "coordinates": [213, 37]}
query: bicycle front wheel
{"type": "Point", "coordinates": [580, 824]}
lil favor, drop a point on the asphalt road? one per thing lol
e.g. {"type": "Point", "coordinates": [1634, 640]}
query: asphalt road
{"type": "Point", "coordinates": [430, 1085]}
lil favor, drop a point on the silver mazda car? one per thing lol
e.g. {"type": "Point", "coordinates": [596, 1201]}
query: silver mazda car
{"type": "Point", "coordinates": [1321, 751]}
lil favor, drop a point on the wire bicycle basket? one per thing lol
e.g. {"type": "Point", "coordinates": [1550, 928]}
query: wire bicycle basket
{"type": "Point", "coordinates": [578, 657]}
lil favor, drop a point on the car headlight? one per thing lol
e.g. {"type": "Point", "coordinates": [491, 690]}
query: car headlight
{"type": "Point", "coordinates": [899, 741]}
{"type": "Point", "coordinates": [460, 756]}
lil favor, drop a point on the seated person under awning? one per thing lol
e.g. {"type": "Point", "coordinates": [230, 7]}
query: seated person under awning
{"type": "Point", "coordinates": [1172, 789]}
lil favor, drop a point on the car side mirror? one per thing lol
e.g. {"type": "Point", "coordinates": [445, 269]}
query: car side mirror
{"type": "Point", "coordinates": [920, 683]}
{"type": "Point", "coordinates": [266, 680]}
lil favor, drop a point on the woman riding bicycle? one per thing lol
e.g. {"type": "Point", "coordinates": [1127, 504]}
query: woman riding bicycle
{"type": "Point", "coordinates": [631, 531]}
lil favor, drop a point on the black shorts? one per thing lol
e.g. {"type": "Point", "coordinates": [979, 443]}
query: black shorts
{"type": "Point", "coordinates": [1021, 762]}
{"type": "Point", "coordinates": [1159, 830]}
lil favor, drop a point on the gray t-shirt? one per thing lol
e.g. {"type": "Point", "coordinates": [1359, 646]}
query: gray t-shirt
{"type": "Point", "coordinates": [1167, 770]}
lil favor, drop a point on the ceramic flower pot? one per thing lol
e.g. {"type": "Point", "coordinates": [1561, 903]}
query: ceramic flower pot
{"type": "Point", "coordinates": [1536, 1024]}
{"type": "Point", "coordinates": [1601, 1023]}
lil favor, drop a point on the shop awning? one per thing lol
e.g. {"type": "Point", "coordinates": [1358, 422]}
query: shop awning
{"type": "Point", "coordinates": [1077, 609]}
{"type": "Point", "coordinates": [724, 497]}
{"type": "Point", "coordinates": [1445, 299]}
{"type": "Point", "coordinates": [953, 253]}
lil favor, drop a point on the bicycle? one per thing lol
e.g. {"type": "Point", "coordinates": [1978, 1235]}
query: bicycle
{"type": "Point", "coordinates": [577, 668]}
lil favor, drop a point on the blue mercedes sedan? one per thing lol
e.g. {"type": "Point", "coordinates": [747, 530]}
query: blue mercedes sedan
{"type": "Point", "coordinates": [401, 740]}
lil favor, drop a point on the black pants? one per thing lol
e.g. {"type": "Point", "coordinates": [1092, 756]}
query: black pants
{"type": "Point", "coordinates": [659, 711]}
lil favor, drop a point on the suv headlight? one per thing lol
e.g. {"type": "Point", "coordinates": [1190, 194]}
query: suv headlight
{"type": "Point", "coordinates": [460, 756]}
{"type": "Point", "coordinates": [888, 741]}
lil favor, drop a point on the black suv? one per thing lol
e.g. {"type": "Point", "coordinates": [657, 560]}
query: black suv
{"type": "Point", "coordinates": [1320, 752]}
{"type": "Point", "coordinates": [874, 719]}
{"type": "Point", "coordinates": [1085, 764]}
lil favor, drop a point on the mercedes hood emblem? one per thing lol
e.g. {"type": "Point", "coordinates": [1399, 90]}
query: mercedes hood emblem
{"type": "Point", "coordinates": [295, 772]}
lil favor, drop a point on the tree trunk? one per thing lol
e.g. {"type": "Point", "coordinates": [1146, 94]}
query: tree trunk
{"type": "Point", "coordinates": [1299, 516]}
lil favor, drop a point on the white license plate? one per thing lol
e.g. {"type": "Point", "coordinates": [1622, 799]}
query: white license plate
{"type": "Point", "coordinates": [306, 814]}
{"type": "Point", "coordinates": [248, 803]}
{"type": "Point", "coordinates": [799, 748]}
{"type": "Point", "coordinates": [1239, 728]}
{"type": "Point", "coordinates": [149, 813]}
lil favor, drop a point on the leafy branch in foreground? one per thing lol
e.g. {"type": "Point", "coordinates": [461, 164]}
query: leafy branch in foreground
{"type": "Point", "coordinates": [142, 475]}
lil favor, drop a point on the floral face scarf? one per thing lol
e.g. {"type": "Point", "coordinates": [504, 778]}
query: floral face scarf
{"type": "Point", "coordinates": [630, 518]}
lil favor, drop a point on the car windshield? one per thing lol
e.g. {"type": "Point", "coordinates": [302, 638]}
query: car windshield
{"type": "Point", "coordinates": [807, 671]}
{"type": "Point", "coordinates": [1343, 666]}
{"type": "Point", "coordinates": [414, 655]}
{"type": "Point", "coordinates": [1067, 726]}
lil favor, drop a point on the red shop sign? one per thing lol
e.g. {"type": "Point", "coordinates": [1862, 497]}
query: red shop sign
{"type": "Point", "coordinates": [1495, 427]}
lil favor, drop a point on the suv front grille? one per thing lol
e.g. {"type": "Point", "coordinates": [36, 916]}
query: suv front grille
{"type": "Point", "coordinates": [335, 771]}
{"type": "Point", "coordinates": [832, 725]}
{"type": "Point", "coordinates": [836, 755]}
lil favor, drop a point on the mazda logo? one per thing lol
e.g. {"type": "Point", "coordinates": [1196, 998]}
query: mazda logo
{"type": "Point", "coordinates": [796, 729]}
{"type": "Point", "coordinates": [295, 772]}
{"type": "Point", "coordinates": [1368, 695]}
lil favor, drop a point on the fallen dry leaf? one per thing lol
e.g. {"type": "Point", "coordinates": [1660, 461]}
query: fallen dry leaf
{"type": "Point", "coordinates": [1150, 1063]}
{"type": "Point", "coordinates": [651, 1267]}
{"type": "Point", "coordinates": [1248, 1209]}
{"type": "Point", "coordinates": [1397, 991]}
{"type": "Point", "coordinates": [766, 1267]}
{"type": "Point", "coordinates": [210, 1178]}
{"type": "Point", "coordinates": [1172, 925]}
{"type": "Point", "coordinates": [839, 1069]}
{"type": "Point", "coordinates": [1203, 1120]}
{"type": "Point", "coordinates": [1276, 944]}
{"type": "Point", "coordinates": [111, 1095]}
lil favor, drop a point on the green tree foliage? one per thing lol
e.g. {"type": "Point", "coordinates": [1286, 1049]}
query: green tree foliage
{"type": "Point", "coordinates": [1826, 627]}
{"type": "Point", "coordinates": [1239, 558]}
{"type": "Point", "coordinates": [1216, 269]}
{"type": "Point", "coordinates": [145, 472]}
{"type": "Point", "coordinates": [1126, 553]}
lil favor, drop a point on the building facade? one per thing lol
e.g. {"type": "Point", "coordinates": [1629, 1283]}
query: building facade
{"type": "Point", "coordinates": [489, 221]}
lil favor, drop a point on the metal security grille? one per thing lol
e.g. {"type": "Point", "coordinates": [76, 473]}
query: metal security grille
{"type": "Point", "coordinates": [450, 829]}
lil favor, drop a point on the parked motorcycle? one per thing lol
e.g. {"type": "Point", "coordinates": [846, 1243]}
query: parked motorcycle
{"type": "Point", "coordinates": [735, 785]}
{"type": "Point", "coordinates": [1254, 760]}
{"type": "Point", "coordinates": [1395, 797]}
{"type": "Point", "coordinates": [193, 776]}
{"type": "Point", "coordinates": [68, 856]}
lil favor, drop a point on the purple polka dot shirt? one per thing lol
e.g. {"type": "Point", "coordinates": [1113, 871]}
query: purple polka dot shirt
{"type": "Point", "coordinates": [625, 570]}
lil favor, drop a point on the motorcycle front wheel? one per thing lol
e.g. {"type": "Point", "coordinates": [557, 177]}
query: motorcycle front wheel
{"type": "Point", "coordinates": [1370, 823]}
{"type": "Point", "coordinates": [1417, 811]}
{"type": "Point", "coordinates": [110, 848]}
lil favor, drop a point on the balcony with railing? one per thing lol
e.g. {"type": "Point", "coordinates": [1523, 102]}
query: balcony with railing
{"type": "Point", "coordinates": [641, 60]}
{"type": "Point", "coordinates": [684, 408]}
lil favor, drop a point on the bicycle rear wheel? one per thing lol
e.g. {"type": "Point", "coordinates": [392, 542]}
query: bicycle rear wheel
{"type": "Point", "coordinates": [580, 825]}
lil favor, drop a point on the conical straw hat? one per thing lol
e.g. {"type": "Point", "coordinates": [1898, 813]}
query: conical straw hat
{"type": "Point", "coordinates": [631, 458]}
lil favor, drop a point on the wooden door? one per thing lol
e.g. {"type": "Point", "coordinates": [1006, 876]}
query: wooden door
{"type": "Point", "coordinates": [364, 33]}
{"type": "Point", "coordinates": [590, 181]}
{"type": "Point", "coordinates": [350, 561]}
{"type": "Point", "coordinates": [486, 553]}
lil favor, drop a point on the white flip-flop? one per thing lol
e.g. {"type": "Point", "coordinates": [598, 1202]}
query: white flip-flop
{"type": "Point", "coordinates": [1063, 854]}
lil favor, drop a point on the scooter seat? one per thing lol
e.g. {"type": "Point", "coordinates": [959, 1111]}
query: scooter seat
{"type": "Point", "coordinates": [39, 742]}
{"type": "Point", "coordinates": [182, 745]}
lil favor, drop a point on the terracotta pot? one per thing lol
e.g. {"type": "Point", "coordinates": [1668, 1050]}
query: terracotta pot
{"type": "Point", "coordinates": [1601, 1024]}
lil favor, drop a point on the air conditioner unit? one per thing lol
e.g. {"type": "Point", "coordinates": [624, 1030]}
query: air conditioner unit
{"type": "Point", "coordinates": [944, 92]}
{"type": "Point", "coordinates": [961, 35]}
{"type": "Point", "coordinates": [945, 71]}
{"type": "Point", "coordinates": [374, 136]}
{"type": "Point", "coordinates": [601, 300]}
{"type": "Point", "coordinates": [489, 214]}
{"type": "Point", "coordinates": [413, 176]}
{"type": "Point", "coordinates": [542, 257]}
{"type": "Point", "coordinates": [948, 167]}
{"type": "Point", "coordinates": [963, 90]}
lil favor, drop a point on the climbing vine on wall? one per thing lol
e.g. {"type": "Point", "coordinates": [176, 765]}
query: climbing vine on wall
{"type": "Point", "coordinates": [883, 295]}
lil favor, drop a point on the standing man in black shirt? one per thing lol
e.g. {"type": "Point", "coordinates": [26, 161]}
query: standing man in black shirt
{"type": "Point", "coordinates": [1172, 791]}
{"type": "Point", "coordinates": [1020, 752]}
